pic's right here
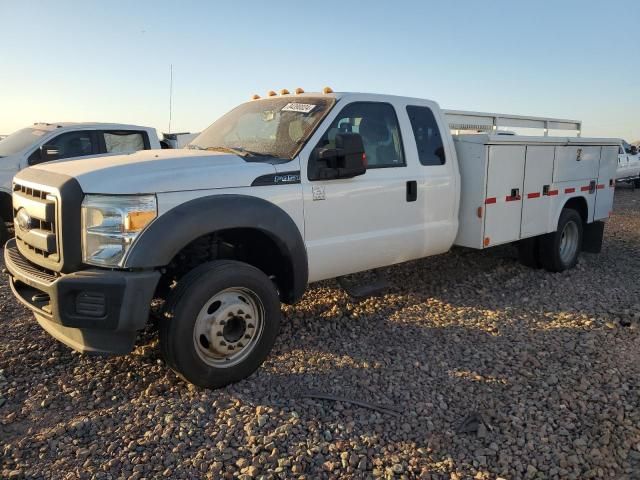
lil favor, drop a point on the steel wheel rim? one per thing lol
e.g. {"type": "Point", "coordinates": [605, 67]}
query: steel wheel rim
{"type": "Point", "coordinates": [228, 327]}
{"type": "Point", "coordinates": [569, 242]}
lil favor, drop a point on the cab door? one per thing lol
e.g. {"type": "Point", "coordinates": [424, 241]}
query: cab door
{"type": "Point", "coordinates": [368, 221]}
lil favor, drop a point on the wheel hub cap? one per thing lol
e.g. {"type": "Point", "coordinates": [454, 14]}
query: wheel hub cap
{"type": "Point", "coordinates": [569, 242]}
{"type": "Point", "coordinates": [228, 327]}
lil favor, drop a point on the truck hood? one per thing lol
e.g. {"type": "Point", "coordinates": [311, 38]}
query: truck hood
{"type": "Point", "coordinates": [158, 171]}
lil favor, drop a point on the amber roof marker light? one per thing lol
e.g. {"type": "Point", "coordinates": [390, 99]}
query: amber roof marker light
{"type": "Point", "coordinates": [299, 91]}
{"type": "Point", "coordinates": [255, 96]}
{"type": "Point", "coordinates": [271, 93]}
{"type": "Point", "coordinates": [284, 91]}
{"type": "Point", "coordinates": [326, 90]}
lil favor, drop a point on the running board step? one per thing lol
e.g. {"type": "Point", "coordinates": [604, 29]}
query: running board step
{"type": "Point", "coordinates": [377, 285]}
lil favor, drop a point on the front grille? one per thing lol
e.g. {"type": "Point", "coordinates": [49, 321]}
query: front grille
{"type": "Point", "coordinates": [27, 267]}
{"type": "Point", "coordinates": [36, 232]}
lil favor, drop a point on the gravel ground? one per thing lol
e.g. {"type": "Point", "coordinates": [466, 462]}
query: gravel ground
{"type": "Point", "coordinates": [543, 368]}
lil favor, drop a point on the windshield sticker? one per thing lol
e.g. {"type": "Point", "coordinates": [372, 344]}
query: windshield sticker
{"type": "Point", "coordinates": [298, 107]}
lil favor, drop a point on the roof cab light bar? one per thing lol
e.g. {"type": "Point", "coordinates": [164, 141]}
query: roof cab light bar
{"type": "Point", "coordinates": [284, 91]}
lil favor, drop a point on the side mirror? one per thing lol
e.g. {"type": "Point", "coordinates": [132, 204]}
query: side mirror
{"type": "Point", "coordinates": [347, 160]}
{"type": "Point", "coordinates": [633, 150]}
{"type": "Point", "coordinates": [49, 153]}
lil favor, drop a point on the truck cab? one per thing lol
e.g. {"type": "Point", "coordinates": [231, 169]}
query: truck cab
{"type": "Point", "coordinates": [278, 193]}
{"type": "Point", "coordinates": [45, 142]}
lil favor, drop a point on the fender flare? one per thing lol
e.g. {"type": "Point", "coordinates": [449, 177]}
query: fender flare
{"type": "Point", "coordinates": [159, 243]}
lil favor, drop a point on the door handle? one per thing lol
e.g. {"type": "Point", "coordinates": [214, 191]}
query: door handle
{"type": "Point", "coordinates": [412, 191]}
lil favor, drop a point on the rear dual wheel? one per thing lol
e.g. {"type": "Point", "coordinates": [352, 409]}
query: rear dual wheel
{"type": "Point", "coordinates": [221, 321]}
{"type": "Point", "coordinates": [556, 251]}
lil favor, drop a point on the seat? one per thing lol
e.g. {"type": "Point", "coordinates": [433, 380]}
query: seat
{"type": "Point", "coordinates": [377, 142]}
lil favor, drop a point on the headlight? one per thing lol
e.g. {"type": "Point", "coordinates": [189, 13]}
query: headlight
{"type": "Point", "coordinates": [111, 223]}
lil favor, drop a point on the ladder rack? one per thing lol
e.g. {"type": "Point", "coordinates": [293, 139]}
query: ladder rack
{"type": "Point", "coordinates": [490, 122]}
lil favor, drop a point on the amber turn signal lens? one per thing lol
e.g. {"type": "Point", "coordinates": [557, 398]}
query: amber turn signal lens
{"type": "Point", "coordinates": [136, 221]}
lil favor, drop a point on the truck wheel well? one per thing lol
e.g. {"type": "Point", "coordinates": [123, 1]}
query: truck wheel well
{"type": "Point", "coordinates": [248, 245]}
{"type": "Point", "coordinates": [6, 207]}
{"type": "Point", "coordinates": [579, 204]}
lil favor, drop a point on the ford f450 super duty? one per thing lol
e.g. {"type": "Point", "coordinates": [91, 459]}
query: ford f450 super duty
{"type": "Point", "coordinates": [281, 192]}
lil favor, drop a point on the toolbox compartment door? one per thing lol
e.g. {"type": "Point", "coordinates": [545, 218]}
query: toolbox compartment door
{"type": "Point", "coordinates": [605, 185]}
{"type": "Point", "coordinates": [536, 202]}
{"type": "Point", "coordinates": [576, 162]}
{"type": "Point", "coordinates": [503, 201]}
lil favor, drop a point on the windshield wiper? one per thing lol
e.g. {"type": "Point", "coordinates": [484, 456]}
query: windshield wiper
{"type": "Point", "coordinates": [240, 151]}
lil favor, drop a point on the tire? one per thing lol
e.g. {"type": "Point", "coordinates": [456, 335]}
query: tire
{"type": "Point", "coordinates": [560, 250]}
{"type": "Point", "coordinates": [529, 252]}
{"type": "Point", "coordinates": [4, 233]}
{"type": "Point", "coordinates": [220, 323]}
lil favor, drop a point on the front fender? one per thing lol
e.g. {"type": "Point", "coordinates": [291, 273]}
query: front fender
{"type": "Point", "coordinates": [159, 243]}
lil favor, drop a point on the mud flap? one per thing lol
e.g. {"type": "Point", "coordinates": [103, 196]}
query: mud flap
{"type": "Point", "coordinates": [593, 234]}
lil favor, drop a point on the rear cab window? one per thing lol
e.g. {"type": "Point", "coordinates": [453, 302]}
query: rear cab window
{"type": "Point", "coordinates": [125, 141]}
{"type": "Point", "coordinates": [427, 136]}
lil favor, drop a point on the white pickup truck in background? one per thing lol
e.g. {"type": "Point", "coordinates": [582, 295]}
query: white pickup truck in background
{"type": "Point", "coordinates": [628, 164]}
{"type": "Point", "coordinates": [281, 192]}
{"type": "Point", "coordinates": [45, 142]}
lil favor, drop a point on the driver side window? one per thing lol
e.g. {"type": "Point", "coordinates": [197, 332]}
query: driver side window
{"type": "Point", "coordinates": [71, 144]}
{"type": "Point", "coordinates": [377, 124]}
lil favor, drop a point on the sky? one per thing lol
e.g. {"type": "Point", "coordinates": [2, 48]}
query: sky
{"type": "Point", "coordinates": [79, 60]}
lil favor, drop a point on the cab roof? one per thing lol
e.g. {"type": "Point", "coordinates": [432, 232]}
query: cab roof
{"type": "Point", "coordinates": [97, 125]}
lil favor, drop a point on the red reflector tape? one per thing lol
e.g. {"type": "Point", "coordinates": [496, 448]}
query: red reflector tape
{"type": "Point", "coordinates": [533, 195]}
{"type": "Point", "coordinates": [552, 193]}
{"type": "Point", "coordinates": [569, 190]}
{"type": "Point", "coordinates": [490, 200]}
{"type": "Point", "coordinates": [585, 189]}
{"type": "Point", "coordinates": [514, 198]}
{"type": "Point", "coordinates": [600, 186]}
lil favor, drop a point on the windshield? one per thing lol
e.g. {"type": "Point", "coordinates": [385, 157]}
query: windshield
{"type": "Point", "coordinates": [20, 140]}
{"type": "Point", "coordinates": [273, 127]}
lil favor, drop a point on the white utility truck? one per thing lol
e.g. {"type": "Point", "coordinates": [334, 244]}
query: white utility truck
{"type": "Point", "coordinates": [628, 164]}
{"type": "Point", "coordinates": [44, 142]}
{"type": "Point", "coordinates": [281, 192]}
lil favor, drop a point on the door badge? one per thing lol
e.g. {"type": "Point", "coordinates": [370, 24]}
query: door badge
{"type": "Point", "coordinates": [317, 192]}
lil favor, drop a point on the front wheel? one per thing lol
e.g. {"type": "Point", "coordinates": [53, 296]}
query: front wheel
{"type": "Point", "coordinates": [559, 250]}
{"type": "Point", "coordinates": [220, 323]}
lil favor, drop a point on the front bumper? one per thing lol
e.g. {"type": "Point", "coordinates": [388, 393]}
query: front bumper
{"type": "Point", "coordinates": [93, 311]}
